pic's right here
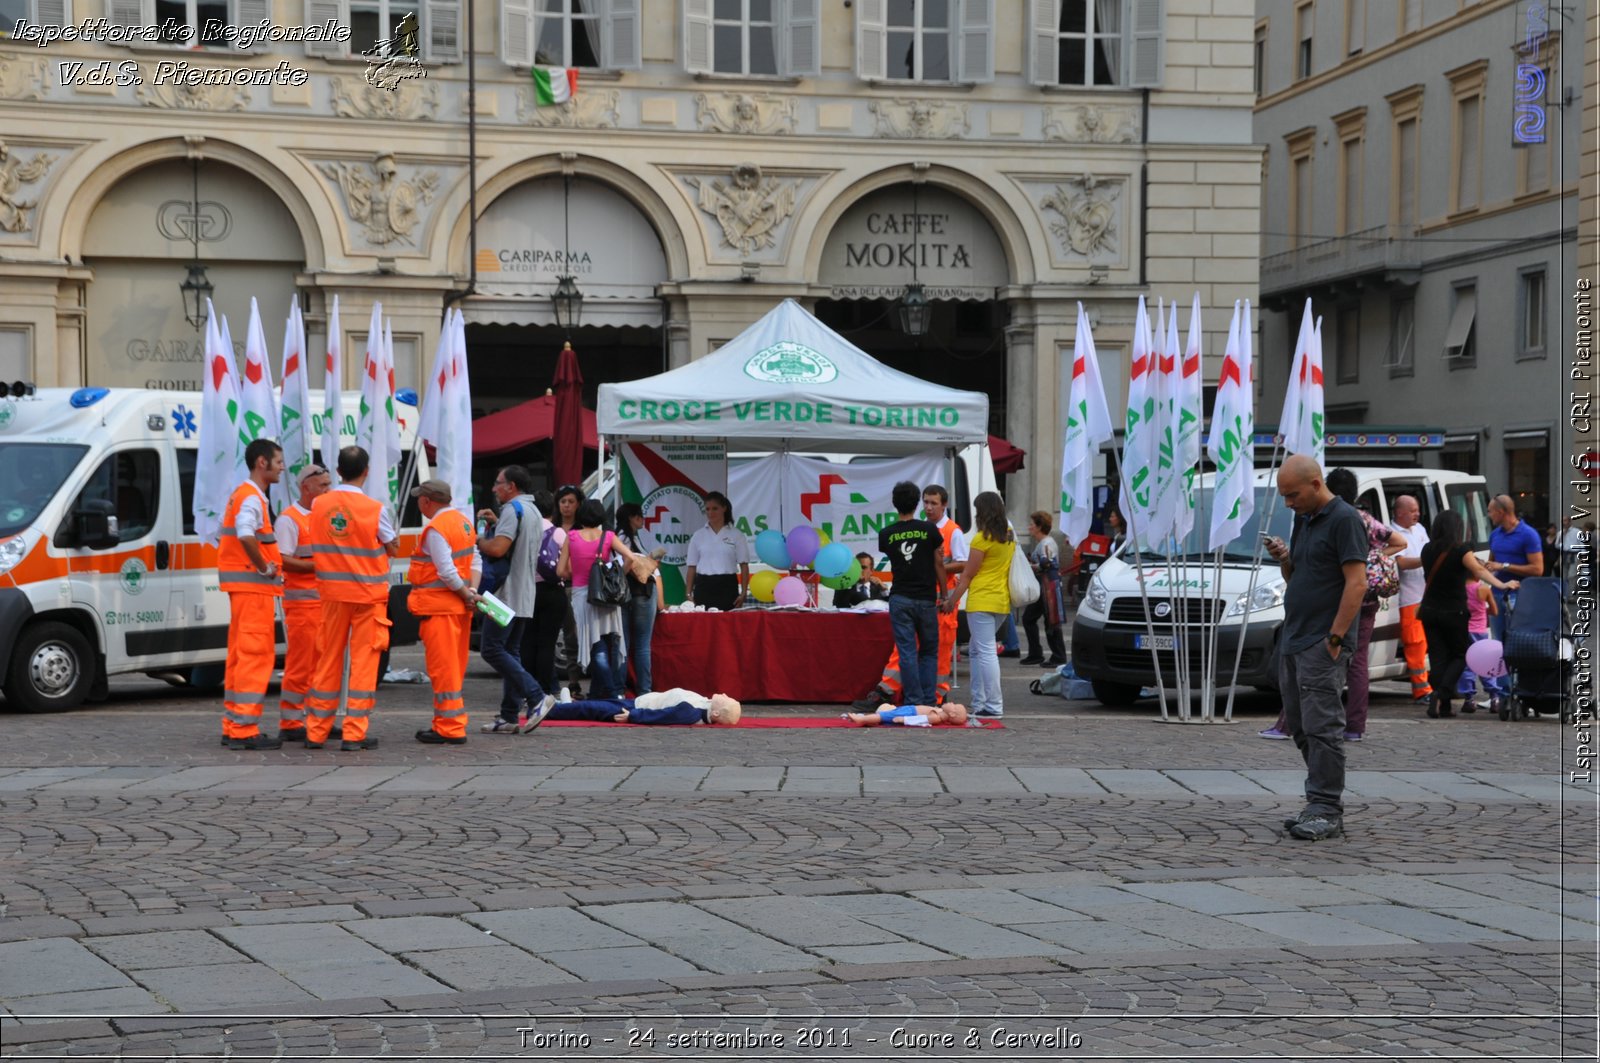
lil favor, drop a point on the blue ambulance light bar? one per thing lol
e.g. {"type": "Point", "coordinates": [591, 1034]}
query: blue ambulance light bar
{"type": "Point", "coordinates": [83, 398]}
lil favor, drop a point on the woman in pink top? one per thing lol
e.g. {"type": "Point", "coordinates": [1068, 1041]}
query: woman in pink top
{"type": "Point", "coordinates": [1480, 607]}
{"type": "Point", "coordinates": [599, 627]}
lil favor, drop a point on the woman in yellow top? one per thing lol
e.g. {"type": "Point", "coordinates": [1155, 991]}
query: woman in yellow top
{"type": "Point", "coordinates": [986, 583]}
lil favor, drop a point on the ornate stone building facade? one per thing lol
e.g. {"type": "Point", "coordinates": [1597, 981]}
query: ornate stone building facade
{"type": "Point", "coordinates": [1013, 156]}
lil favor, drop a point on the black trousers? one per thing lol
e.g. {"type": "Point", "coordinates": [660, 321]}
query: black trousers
{"type": "Point", "coordinates": [539, 635]}
{"type": "Point", "coordinates": [716, 592]}
{"type": "Point", "coordinates": [1448, 640]}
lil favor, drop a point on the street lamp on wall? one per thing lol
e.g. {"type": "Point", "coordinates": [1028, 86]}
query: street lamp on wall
{"type": "Point", "coordinates": [568, 299]}
{"type": "Point", "coordinates": [914, 310]}
{"type": "Point", "coordinates": [196, 287]}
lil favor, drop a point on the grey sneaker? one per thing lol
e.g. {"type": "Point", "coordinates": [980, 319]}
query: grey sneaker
{"type": "Point", "coordinates": [531, 720]}
{"type": "Point", "coordinates": [500, 726]}
{"type": "Point", "coordinates": [1317, 828]}
{"type": "Point", "coordinates": [1292, 820]}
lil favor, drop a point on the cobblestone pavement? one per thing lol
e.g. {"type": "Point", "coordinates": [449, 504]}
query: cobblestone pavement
{"type": "Point", "coordinates": [1081, 883]}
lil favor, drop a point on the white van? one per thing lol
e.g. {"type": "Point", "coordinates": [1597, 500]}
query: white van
{"type": "Point", "coordinates": [1111, 643]}
{"type": "Point", "coordinates": [101, 572]}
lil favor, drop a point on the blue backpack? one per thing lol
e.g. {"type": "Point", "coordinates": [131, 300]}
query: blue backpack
{"type": "Point", "coordinates": [495, 569]}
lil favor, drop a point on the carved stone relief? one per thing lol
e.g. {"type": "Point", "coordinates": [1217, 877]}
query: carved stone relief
{"type": "Point", "coordinates": [1092, 124]}
{"type": "Point", "coordinates": [191, 97]}
{"type": "Point", "coordinates": [378, 198]}
{"type": "Point", "coordinates": [22, 77]}
{"type": "Point", "coordinates": [920, 119]}
{"type": "Point", "coordinates": [585, 110]}
{"type": "Point", "coordinates": [748, 206]}
{"type": "Point", "coordinates": [1086, 211]}
{"type": "Point", "coordinates": [744, 113]}
{"type": "Point", "coordinates": [16, 204]}
{"type": "Point", "coordinates": [410, 101]}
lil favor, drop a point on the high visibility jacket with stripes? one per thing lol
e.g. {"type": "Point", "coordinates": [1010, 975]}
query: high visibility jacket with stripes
{"type": "Point", "coordinates": [429, 595]}
{"type": "Point", "coordinates": [300, 586]}
{"type": "Point", "coordinates": [236, 573]}
{"type": "Point", "coordinates": [352, 566]}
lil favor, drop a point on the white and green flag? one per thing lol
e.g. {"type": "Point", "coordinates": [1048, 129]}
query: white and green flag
{"type": "Point", "coordinates": [258, 402]}
{"type": "Point", "coordinates": [1163, 517]}
{"type": "Point", "coordinates": [1138, 451]}
{"type": "Point", "coordinates": [378, 427]}
{"type": "Point", "coordinates": [220, 456]}
{"type": "Point", "coordinates": [1088, 426]}
{"type": "Point", "coordinates": [1188, 409]}
{"type": "Point", "coordinates": [1233, 425]}
{"type": "Point", "coordinates": [554, 84]}
{"type": "Point", "coordinates": [333, 395]}
{"type": "Point", "coordinates": [294, 407]}
{"type": "Point", "coordinates": [1302, 424]}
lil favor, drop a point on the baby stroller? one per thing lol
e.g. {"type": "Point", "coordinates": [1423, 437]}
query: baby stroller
{"type": "Point", "coordinates": [1533, 645]}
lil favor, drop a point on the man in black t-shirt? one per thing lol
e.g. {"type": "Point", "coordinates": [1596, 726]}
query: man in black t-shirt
{"type": "Point", "coordinates": [914, 548]}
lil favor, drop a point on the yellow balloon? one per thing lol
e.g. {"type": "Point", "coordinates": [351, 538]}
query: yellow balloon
{"type": "Point", "coordinates": [763, 584]}
{"type": "Point", "coordinates": [822, 538]}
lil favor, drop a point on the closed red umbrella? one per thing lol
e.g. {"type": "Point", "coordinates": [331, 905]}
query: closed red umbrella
{"type": "Point", "coordinates": [567, 438]}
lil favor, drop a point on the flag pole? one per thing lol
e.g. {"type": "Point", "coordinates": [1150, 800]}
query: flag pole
{"type": "Point", "coordinates": [1144, 593]}
{"type": "Point", "coordinates": [1255, 570]}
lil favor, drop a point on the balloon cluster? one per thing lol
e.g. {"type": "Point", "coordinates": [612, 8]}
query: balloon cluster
{"type": "Point", "coordinates": [833, 563]}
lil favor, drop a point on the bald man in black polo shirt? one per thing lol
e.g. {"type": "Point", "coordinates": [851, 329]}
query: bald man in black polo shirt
{"type": "Point", "coordinates": [1326, 571]}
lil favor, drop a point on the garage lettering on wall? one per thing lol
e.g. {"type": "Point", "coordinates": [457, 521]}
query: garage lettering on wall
{"type": "Point", "coordinates": [792, 412]}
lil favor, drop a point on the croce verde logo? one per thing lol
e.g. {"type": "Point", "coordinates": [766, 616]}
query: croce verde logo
{"type": "Point", "coordinates": [132, 576]}
{"type": "Point", "coordinates": [8, 412]}
{"type": "Point", "coordinates": [787, 362]}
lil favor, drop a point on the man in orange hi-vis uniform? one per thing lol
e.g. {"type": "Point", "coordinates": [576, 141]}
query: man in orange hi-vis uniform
{"type": "Point", "coordinates": [442, 595]}
{"type": "Point", "coordinates": [302, 608]}
{"type": "Point", "coordinates": [935, 503]}
{"type": "Point", "coordinates": [352, 539]}
{"type": "Point", "coordinates": [247, 569]}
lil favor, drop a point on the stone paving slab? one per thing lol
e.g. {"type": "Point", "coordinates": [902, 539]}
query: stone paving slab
{"type": "Point", "coordinates": [1001, 907]}
{"type": "Point", "coordinates": [548, 930]}
{"type": "Point", "coordinates": [507, 779]}
{"type": "Point", "coordinates": [327, 960]}
{"type": "Point", "coordinates": [499, 966]}
{"type": "Point", "coordinates": [1411, 890]}
{"type": "Point", "coordinates": [1216, 782]}
{"type": "Point", "coordinates": [636, 961]}
{"type": "Point", "coordinates": [1522, 892]}
{"type": "Point", "coordinates": [1385, 786]}
{"type": "Point", "coordinates": [1281, 781]}
{"type": "Point", "coordinates": [741, 779]}
{"type": "Point", "coordinates": [1138, 782]}
{"type": "Point", "coordinates": [664, 779]}
{"type": "Point", "coordinates": [38, 926]}
{"type": "Point", "coordinates": [801, 922]}
{"type": "Point", "coordinates": [702, 938]}
{"type": "Point", "coordinates": [1095, 937]}
{"type": "Point", "coordinates": [272, 779]}
{"type": "Point", "coordinates": [349, 780]}
{"type": "Point", "coordinates": [176, 948]}
{"type": "Point", "coordinates": [220, 986]}
{"type": "Point", "coordinates": [1089, 899]}
{"type": "Point", "coordinates": [53, 965]}
{"type": "Point", "coordinates": [419, 934]}
{"type": "Point", "coordinates": [1454, 785]}
{"type": "Point", "coordinates": [1545, 788]}
{"type": "Point", "coordinates": [1210, 898]}
{"type": "Point", "coordinates": [123, 1000]}
{"type": "Point", "coordinates": [585, 779]}
{"type": "Point", "coordinates": [959, 935]}
{"type": "Point", "coordinates": [192, 779]}
{"type": "Point", "coordinates": [35, 778]}
{"type": "Point", "coordinates": [1312, 928]}
{"type": "Point", "coordinates": [1067, 782]}
{"type": "Point", "coordinates": [980, 780]}
{"type": "Point", "coordinates": [892, 952]}
{"type": "Point", "coordinates": [1295, 891]}
{"type": "Point", "coordinates": [1413, 924]}
{"type": "Point", "coordinates": [315, 913]}
{"type": "Point", "coordinates": [434, 778]}
{"type": "Point", "coordinates": [108, 779]}
{"type": "Point", "coordinates": [1192, 928]}
{"type": "Point", "coordinates": [845, 782]}
{"type": "Point", "coordinates": [1528, 923]}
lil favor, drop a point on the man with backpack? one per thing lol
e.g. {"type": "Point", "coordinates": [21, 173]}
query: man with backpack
{"type": "Point", "coordinates": [514, 544]}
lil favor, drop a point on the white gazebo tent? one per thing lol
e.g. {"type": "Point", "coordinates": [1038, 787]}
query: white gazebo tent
{"type": "Point", "coordinates": [790, 382]}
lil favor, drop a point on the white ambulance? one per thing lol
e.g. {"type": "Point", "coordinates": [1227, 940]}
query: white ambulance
{"type": "Point", "coordinates": [1112, 642]}
{"type": "Point", "coordinates": [101, 572]}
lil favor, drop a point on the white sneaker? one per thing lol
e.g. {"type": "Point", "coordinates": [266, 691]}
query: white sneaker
{"type": "Point", "coordinates": [529, 722]}
{"type": "Point", "coordinates": [499, 726]}
{"type": "Point", "coordinates": [565, 695]}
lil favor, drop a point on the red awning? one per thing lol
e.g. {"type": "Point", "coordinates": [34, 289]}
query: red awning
{"type": "Point", "coordinates": [529, 422]}
{"type": "Point", "coordinates": [1007, 458]}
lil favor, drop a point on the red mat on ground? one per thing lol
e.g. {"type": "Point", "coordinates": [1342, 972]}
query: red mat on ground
{"type": "Point", "coordinates": [772, 721]}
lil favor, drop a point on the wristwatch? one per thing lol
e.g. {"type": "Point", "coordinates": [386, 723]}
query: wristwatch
{"type": "Point", "coordinates": [1336, 641]}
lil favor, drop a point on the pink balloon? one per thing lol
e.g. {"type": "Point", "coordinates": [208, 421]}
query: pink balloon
{"type": "Point", "coordinates": [790, 591]}
{"type": "Point", "coordinates": [1487, 658]}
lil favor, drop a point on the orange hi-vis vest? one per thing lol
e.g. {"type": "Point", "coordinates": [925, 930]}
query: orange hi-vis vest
{"type": "Point", "coordinates": [300, 586]}
{"type": "Point", "coordinates": [236, 573]}
{"type": "Point", "coordinates": [352, 566]}
{"type": "Point", "coordinates": [429, 595]}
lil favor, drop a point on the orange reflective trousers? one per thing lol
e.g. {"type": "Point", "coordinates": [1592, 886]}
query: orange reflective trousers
{"type": "Point", "coordinates": [364, 628]}
{"type": "Point", "coordinates": [252, 653]}
{"type": "Point", "coordinates": [445, 639]}
{"type": "Point", "coordinates": [302, 627]}
{"type": "Point", "coordinates": [1415, 644]}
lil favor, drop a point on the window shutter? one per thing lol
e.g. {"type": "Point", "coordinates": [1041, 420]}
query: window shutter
{"type": "Point", "coordinates": [802, 52]}
{"type": "Point", "coordinates": [1146, 29]}
{"type": "Point", "coordinates": [977, 42]}
{"type": "Point", "coordinates": [130, 13]}
{"type": "Point", "coordinates": [444, 30]}
{"type": "Point", "coordinates": [248, 13]}
{"type": "Point", "coordinates": [697, 36]}
{"type": "Point", "coordinates": [1044, 52]}
{"type": "Point", "coordinates": [621, 35]}
{"type": "Point", "coordinates": [320, 13]}
{"type": "Point", "coordinates": [51, 12]}
{"type": "Point", "coordinates": [516, 32]}
{"type": "Point", "coordinates": [872, 34]}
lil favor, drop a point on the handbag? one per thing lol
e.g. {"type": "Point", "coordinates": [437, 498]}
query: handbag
{"type": "Point", "coordinates": [608, 585]}
{"type": "Point", "coordinates": [1023, 584]}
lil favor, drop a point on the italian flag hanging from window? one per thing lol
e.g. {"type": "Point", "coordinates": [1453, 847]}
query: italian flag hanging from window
{"type": "Point", "coordinates": [554, 84]}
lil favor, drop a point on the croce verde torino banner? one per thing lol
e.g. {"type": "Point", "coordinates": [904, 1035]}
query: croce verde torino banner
{"type": "Point", "coordinates": [788, 380]}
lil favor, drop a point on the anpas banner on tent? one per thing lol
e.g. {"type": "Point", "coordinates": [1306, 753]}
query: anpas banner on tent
{"type": "Point", "coordinates": [670, 482]}
{"type": "Point", "coordinates": [793, 412]}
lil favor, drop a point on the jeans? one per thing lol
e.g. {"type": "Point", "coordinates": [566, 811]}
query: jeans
{"type": "Point", "coordinates": [1358, 675]}
{"type": "Point", "coordinates": [608, 668]}
{"type": "Point", "coordinates": [501, 647]}
{"type": "Point", "coordinates": [639, 621]}
{"type": "Point", "coordinates": [1006, 637]}
{"type": "Point", "coordinates": [1310, 681]}
{"type": "Point", "coordinates": [981, 628]}
{"type": "Point", "coordinates": [1470, 679]}
{"type": "Point", "coordinates": [1505, 601]}
{"type": "Point", "coordinates": [915, 622]}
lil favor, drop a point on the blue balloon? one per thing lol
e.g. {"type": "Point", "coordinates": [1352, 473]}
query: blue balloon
{"type": "Point", "coordinates": [772, 549]}
{"type": "Point", "coordinates": [832, 560]}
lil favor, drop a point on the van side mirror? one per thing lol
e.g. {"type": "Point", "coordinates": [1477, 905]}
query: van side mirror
{"type": "Point", "coordinates": [95, 524]}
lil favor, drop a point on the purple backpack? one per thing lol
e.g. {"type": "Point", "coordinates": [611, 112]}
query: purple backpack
{"type": "Point", "coordinates": [549, 555]}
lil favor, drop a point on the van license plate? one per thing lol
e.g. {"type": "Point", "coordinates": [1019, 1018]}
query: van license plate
{"type": "Point", "coordinates": [1157, 642]}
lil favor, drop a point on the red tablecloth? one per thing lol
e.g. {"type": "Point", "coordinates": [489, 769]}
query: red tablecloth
{"type": "Point", "coordinates": [771, 656]}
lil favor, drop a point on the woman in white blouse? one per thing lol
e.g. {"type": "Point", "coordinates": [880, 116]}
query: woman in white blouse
{"type": "Point", "coordinates": [716, 552]}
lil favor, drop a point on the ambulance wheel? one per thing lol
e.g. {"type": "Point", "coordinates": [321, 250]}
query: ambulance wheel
{"type": "Point", "coordinates": [52, 669]}
{"type": "Point", "coordinates": [1116, 695]}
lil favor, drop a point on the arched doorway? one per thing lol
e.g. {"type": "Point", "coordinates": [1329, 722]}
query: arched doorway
{"type": "Point", "coordinates": [139, 241]}
{"type": "Point", "coordinates": [867, 262]}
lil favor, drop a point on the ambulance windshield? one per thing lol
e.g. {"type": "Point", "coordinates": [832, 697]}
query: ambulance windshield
{"type": "Point", "coordinates": [30, 475]}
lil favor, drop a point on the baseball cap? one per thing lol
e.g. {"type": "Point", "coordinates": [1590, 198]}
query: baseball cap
{"type": "Point", "coordinates": [437, 490]}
